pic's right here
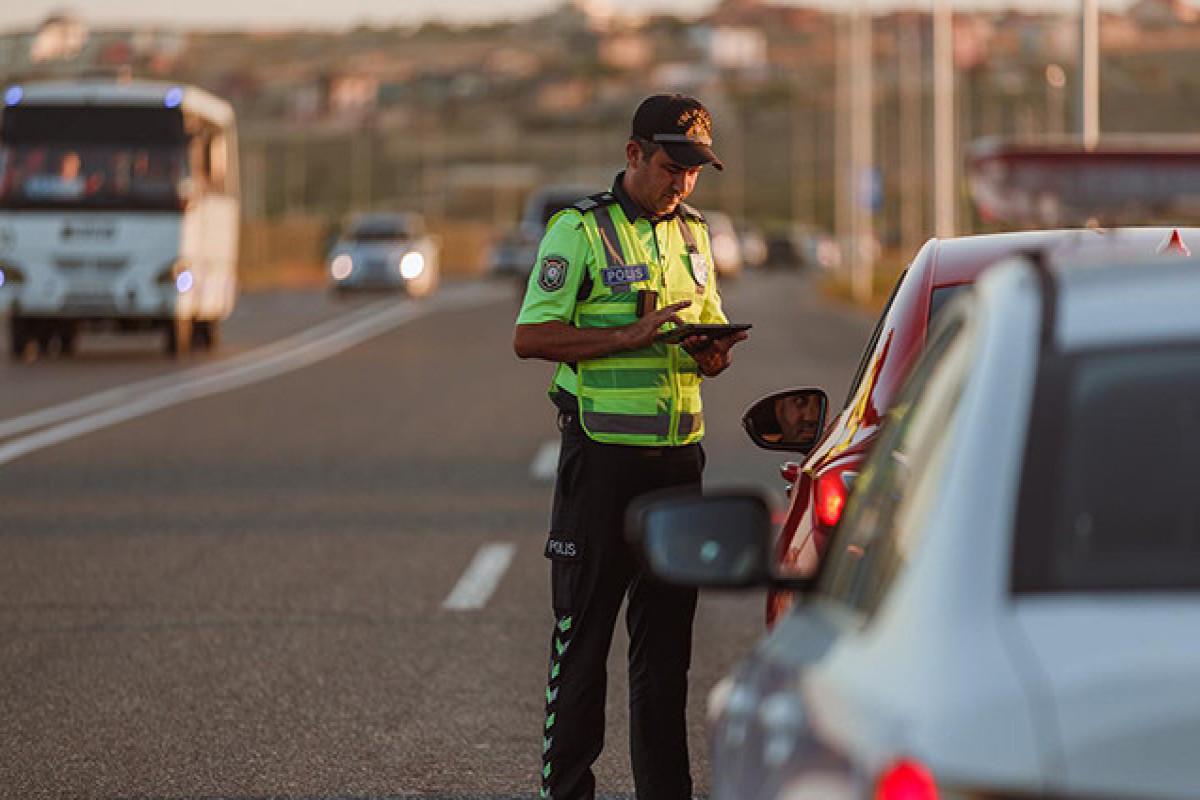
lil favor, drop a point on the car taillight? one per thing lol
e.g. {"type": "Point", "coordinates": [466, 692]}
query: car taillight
{"type": "Point", "coordinates": [830, 499]}
{"type": "Point", "coordinates": [906, 780]}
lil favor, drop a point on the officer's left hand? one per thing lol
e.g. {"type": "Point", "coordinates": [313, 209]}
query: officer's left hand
{"type": "Point", "coordinates": [712, 355]}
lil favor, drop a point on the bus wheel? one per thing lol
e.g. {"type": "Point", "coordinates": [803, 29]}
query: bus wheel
{"type": "Point", "coordinates": [19, 338]}
{"type": "Point", "coordinates": [68, 339]}
{"type": "Point", "coordinates": [206, 334]}
{"type": "Point", "coordinates": [179, 336]}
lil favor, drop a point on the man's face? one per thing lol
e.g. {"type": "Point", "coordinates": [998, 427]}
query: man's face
{"type": "Point", "coordinates": [659, 184]}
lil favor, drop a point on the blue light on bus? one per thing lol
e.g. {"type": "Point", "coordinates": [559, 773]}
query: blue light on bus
{"type": "Point", "coordinates": [13, 95]}
{"type": "Point", "coordinates": [1, 277]}
{"type": "Point", "coordinates": [173, 98]}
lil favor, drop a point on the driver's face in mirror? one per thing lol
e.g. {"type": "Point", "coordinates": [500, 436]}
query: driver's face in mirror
{"type": "Point", "coordinates": [797, 418]}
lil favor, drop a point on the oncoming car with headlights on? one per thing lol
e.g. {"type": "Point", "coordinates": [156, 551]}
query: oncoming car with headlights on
{"type": "Point", "coordinates": [385, 250]}
{"type": "Point", "coordinates": [1007, 609]}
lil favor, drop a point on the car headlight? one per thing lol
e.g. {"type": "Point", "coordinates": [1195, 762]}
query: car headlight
{"type": "Point", "coordinates": [412, 265]}
{"type": "Point", "coordinates": [341, 267]}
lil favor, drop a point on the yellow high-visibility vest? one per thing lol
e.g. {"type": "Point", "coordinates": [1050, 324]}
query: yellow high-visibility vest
{"type": "Point", "coordinates": [649, 396]}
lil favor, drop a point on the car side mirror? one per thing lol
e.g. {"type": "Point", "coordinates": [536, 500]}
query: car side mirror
{"type": "Point", "coordinates": [792, 420]}
{"type": "Point", "coordinates": [717, 541]}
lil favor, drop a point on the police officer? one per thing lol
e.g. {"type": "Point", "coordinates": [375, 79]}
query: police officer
{"type": "Point", "coordinates": [612, 272]}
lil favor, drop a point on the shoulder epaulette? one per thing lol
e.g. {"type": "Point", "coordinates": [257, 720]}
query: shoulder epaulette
{"type": "Point", "coordinates": [594, 201]}
{"type": "Point", "coordinates": [692, 212]}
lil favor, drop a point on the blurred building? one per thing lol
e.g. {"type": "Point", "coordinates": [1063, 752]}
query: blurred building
{"type": "Point", "coordinates": [61, 37]}
{"type": "Point", "coordinates": [1162, 13]}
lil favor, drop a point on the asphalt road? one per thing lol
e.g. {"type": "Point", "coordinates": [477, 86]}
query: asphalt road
{"type": "Point", "coordinates": [227, 578]}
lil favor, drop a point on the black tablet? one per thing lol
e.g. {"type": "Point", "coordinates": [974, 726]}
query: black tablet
{"type": "Point", "coordinates": [709, 331]}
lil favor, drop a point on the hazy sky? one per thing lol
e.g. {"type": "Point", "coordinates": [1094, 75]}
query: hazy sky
{"type": "Point", "coordinates": [24, 14]}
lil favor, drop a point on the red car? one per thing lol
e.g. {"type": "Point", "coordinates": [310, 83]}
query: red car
{"type": "Point", "coordinates": [819, 487]}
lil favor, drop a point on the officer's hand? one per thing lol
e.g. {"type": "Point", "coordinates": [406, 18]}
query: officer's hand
{"type": "Point", "coordinates": [642, 332]}
{"type": "Point", "coordinates": [712, 355]}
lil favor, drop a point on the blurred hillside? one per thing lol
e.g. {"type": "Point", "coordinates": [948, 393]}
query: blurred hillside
{"type": "Point", "coordinates": [464, 122]}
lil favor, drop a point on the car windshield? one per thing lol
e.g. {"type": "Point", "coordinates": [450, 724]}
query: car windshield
{"type": "Point", "coordinates": [381, 229]}
{"type": "Point", "coordinates": [1124, 513]}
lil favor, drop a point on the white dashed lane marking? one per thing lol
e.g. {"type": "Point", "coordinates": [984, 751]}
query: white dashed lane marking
{"type": "Point", "coordinates": [545, 463]}
{"type": "Point", "coordinates": [482, 577]}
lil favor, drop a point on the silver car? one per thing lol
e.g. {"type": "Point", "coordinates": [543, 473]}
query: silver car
{"type": "Point", "coordinates": [1009, 605]}
{"type": "Point", "coordinates": [385, 250]}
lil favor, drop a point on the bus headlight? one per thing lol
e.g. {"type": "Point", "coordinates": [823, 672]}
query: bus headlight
{"type": "Point", "coordinates": [341, 267]}
{"type": "Point", "coordinates": [178, 276]}
{"type": "Point", "coordinates": [412, 265]}
{"type": "Point", "coordinates": [10, 275]}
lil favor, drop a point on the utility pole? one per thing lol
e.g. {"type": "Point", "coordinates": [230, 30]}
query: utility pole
{"type": "Point", "coordinates": [804, 161]}
{"type": "Point", "coordinates": [945, 151]}
{"type": "Point", "coordinates": [844, 190]}
{"type": "Point", "coordinates": [1089, 72]}
{"type": "Point", "coordinates": [912, 181]}
{"type": "Point", "coordinates": [862, 141]}
{"type": "Point", "coordinates": [296, 174]}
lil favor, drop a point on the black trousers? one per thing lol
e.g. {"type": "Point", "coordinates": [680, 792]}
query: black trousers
{"type": "Point", "coordinates": [592, 570]}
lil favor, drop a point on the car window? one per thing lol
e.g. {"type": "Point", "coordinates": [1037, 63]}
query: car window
{"type": "Point", "coordinates": [1124, 513]}
{"type": "Point", "coordinates": [940, 296]}
{"type": "Point", "coordinates": [887, 512]}
{"type": "Point", "coordinates": [869, 350]}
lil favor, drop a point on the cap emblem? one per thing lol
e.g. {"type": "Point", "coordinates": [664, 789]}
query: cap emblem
{"type": "Point", "coordinates": [696, 125]}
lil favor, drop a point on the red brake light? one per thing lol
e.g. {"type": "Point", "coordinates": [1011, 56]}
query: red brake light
{"type": "Point", "coordinates": [906, 780]}
{"type": "Point", "coordinates": [830, 499]}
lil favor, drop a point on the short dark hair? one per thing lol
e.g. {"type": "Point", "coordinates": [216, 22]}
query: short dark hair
{"type": "Point", "coordinates": [647, 147]}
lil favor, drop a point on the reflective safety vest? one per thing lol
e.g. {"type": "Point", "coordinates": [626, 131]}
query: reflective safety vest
{"type": "Point", "coordinates": [649, 396]}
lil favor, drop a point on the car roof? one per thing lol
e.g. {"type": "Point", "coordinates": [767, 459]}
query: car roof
{"type": "Point", "coordinates": [1122, 301]}
{"type": "Point", "coordinates": [961, 260]}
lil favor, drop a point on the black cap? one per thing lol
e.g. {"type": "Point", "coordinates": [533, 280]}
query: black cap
{"type": "Point", "coordinates": [681, 124]}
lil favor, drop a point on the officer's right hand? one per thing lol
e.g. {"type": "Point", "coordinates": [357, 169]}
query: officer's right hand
{"type": "Point", "coordinates": [642, 332]}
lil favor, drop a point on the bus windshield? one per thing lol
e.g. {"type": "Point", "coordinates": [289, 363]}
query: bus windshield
{"type": "Point", "coordinates": [93, 177]}
{"type": "Point", "coordinates": [93, 159]}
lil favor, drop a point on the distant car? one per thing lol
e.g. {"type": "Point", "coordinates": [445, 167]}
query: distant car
{"type": "Point", "coordinates": [513, 255]}
{"type": "Point", "coordinates": [726, 247]}
{"type": "Point", "coordinates": [802, 247]}
{"type": "Point", "coordinates": [385, 250]}
{"type": "Point", "coordinates": [819, 487]}
{"type": "Point", "coordinates": [753, 244]}
{"type": "Point", "coordinates": [1008, 607]}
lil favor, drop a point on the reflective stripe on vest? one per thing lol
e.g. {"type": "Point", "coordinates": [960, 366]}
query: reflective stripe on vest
{"type": "Point", "coordinates": [649, 396]}
{"type": "Point", "coordinates": [659, 425]}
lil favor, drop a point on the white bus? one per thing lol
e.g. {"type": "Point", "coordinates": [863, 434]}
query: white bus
{"type": "Point", "coordinates": [119, 210]}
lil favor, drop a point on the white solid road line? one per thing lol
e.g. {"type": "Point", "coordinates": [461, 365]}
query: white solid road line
{"type": "Point", "coordinates": [483, 574]}
{"type": "Point", "coordinates": [125, 394]}
{"type": "Point", "coordinates": [334, 336]}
